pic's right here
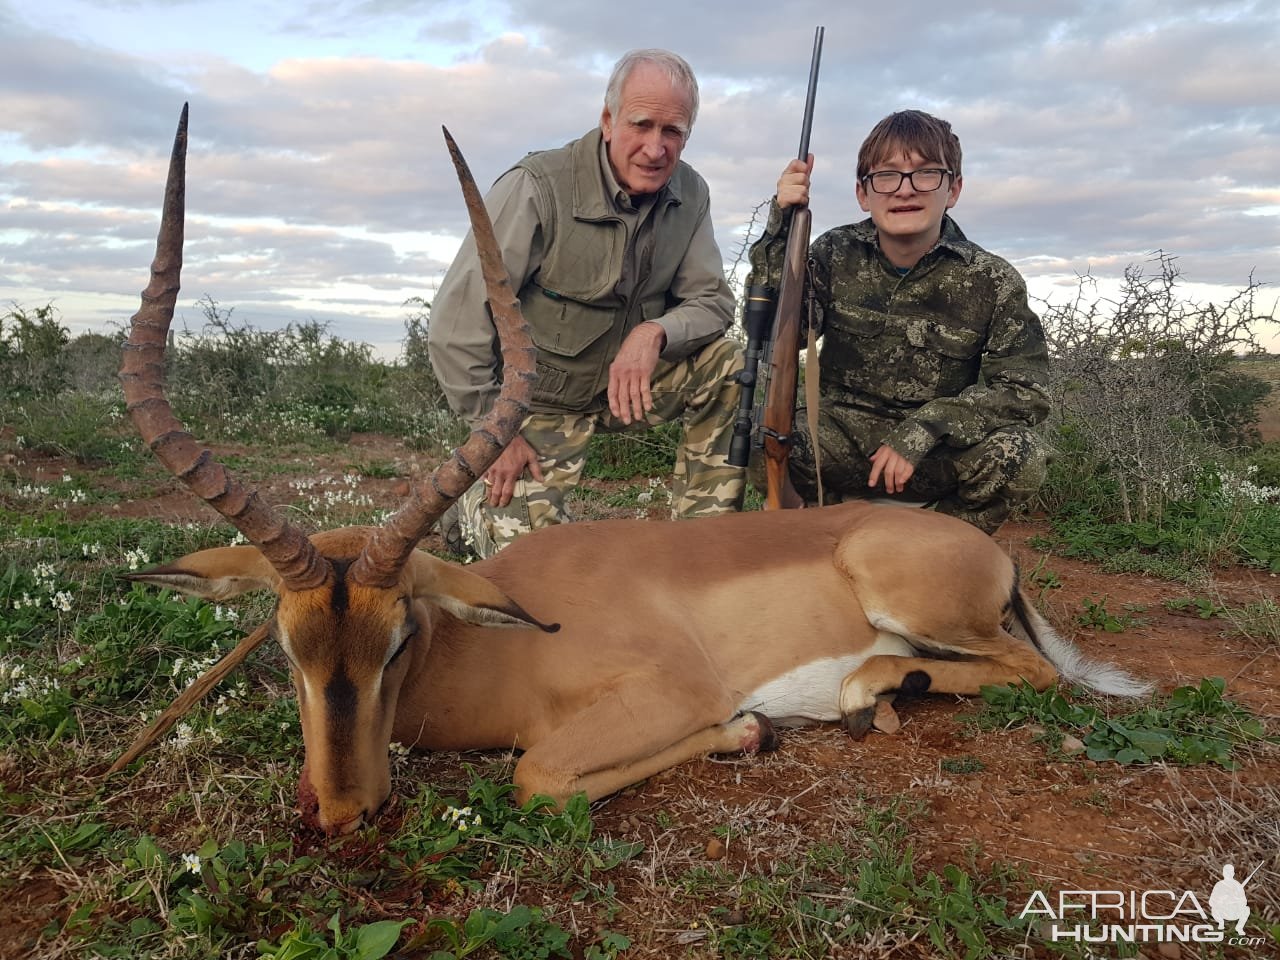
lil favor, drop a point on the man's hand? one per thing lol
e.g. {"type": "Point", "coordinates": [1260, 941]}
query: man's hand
{"type": "Point", "coordinates": [631, 372]}
{"type": "Point", "coordinates": [793, 185]}
{"type": "Point", "coordinates": [508, 468]}
{"type": "Point", "coordinates": [896, 470]}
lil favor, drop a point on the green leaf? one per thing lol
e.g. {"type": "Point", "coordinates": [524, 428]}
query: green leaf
{"type": "Point", "coordinates": [1154, 743]}
{"type": "Point", "coordinates": [1131, 755]}
{"type": "Point", "coordinates": [376, 940]}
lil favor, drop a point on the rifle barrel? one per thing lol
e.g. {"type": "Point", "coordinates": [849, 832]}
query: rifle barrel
{"type": "Point", "coordinates": [813, 92]}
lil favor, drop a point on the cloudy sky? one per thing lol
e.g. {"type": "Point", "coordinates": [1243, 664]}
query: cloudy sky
{"type": "Point", "coordinates": [1095, 133]}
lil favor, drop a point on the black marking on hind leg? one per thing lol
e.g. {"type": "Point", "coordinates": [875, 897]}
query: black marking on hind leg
{"type": "Point", "coordinates": [915, 683]}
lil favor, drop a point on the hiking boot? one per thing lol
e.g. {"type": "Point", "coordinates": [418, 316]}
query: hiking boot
{"type": "Point", "coordinates": [454, 536]}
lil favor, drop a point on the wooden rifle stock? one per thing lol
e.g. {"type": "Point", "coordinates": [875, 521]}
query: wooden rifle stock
{"type": "Point", "coordinates": [789, 320]}
{"type": "Point", "coordinates": [784, 364]}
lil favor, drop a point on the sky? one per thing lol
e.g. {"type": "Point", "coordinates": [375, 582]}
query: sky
{"type": "Point", "coordinates": [319, 188]}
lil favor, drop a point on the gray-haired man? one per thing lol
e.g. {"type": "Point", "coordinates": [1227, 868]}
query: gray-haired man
{"type": "Point", "coordinates": [609, 243]}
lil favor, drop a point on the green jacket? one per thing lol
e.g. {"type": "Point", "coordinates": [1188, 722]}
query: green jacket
{"type": "Point", "coordinates": [546, 211]}
{"type": "Point", "coordinates": [947, 353]}
{"type": "Point", "coordinates": [590, 291]}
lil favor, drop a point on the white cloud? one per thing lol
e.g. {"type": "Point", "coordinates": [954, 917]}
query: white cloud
{"type": "Point", "coordinates": [1094, 133]}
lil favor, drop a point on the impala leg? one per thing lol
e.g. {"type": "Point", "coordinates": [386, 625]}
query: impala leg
{"type": "Point", "coordinates": [608, 746]}
{"type": "Point", "coordinates": [998, 663]}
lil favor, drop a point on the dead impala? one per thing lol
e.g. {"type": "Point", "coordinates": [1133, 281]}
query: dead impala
{"type": "Point", "coordinates": [656, 643]}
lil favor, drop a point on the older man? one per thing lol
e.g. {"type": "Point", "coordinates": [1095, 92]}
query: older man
{"type": "Point", "coordinates": [609, 242]}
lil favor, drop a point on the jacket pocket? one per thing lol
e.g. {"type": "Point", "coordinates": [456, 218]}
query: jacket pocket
{"type": "Point", "coordinates": [945, 359]}
{"type": "Point", "coordinates": [855, 322]}
{"type": "Point", "coordinates": [853, 346]}
{"type": "Point", "coordinates": [957, 343]}
{"type": "Point", "coordinates": [564, 326]}
{"type": "Point", "coordinates": [574, 348]}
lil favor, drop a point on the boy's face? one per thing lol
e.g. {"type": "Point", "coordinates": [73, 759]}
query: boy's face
{"type": "Point", "coordinates": [909, 214]}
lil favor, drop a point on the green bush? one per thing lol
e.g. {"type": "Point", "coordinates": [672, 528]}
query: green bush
{"type": "Point", "coordinates": [1146, 392]}
{"type": "Point", "coordinates": [32, 364]}
{"type": "Point", "coordinates": [1265, 464]}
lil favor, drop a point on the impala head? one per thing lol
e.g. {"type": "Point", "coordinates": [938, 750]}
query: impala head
{"type": "Point", "coordinates": [355, 605]}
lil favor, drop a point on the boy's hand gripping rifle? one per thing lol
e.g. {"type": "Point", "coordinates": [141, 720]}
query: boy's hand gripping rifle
{"type": "Point", "coordinates": [784, 323]}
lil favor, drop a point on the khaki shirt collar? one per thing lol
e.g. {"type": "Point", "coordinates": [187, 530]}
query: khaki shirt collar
{"type": "Point", "coordinates": [597, 195]}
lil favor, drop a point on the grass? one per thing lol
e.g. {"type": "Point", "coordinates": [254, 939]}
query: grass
{"type": "Point", "coordinates": [1191, 725]}
{"type": "Point", "coordinates": [197, 852]}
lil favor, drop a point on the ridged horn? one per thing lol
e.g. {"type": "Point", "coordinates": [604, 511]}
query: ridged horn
{"type": "Point", "coordinates": [142, 375]}
{"type": "Point", "coordinates": [391, 544]}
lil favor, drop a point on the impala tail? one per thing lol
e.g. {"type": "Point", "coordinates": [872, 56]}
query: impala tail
{"type": "Point", "coordinates": [1071, 664]}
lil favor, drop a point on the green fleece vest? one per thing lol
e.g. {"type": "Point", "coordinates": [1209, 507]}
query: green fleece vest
{"type": "Point", "coordinates": [576, 313]}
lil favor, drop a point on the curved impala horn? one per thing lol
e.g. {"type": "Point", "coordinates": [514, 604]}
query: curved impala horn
{"type": "Point", "coordinates": [391, 544]}
{"type": "Point", "coordinates": [142, 376]}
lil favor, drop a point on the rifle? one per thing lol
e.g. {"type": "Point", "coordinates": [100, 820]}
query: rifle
{"type": "Point", "coordinates": [760, 318]}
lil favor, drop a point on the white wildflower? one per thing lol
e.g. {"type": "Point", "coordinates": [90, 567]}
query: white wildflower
{"type": "Point", "coordinates": [191, 863]}
{"type": "Point", "coordinates": [182, 736]}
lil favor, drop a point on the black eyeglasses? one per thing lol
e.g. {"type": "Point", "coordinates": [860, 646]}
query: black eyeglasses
{"type": "Point", "coordinates": [923, 181]}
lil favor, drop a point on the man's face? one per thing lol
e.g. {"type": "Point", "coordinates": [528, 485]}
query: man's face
{"type": "Point", "coordinates": [647, 136]}
{"type": "Point", "coordinates": [909, 213]}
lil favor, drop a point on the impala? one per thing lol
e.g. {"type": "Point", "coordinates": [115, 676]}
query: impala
{"type": "Point", "coordinates": [645, 644]}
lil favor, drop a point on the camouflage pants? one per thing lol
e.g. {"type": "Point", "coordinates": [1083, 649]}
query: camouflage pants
{"type": "Point", "coordinates": [701, 391]}
{"type": "Point", "coordinates": [981, 484]}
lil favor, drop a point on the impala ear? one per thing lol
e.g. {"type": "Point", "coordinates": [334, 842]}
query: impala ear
{"type": "Point", "coordinates": [218, 574]}
{"type": "Point", "coordinates": [468, 596]}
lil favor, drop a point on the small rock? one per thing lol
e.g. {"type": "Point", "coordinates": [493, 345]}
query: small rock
{"type": "Point", "coordinates": [886, 718]}
{"type": "Point", "coordinates": [684, 937]}
{"type": "Point", "coordinates": [715, 849]}
{"type": "Point", "coordinates": [1072, 745]}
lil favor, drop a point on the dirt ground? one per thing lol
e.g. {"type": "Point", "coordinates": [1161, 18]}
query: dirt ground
{"type": "Point", "coordinates": [1069, 823]}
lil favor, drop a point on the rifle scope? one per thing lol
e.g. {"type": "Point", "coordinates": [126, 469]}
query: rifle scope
{"type": "Point", "coordinates": [757, 318]}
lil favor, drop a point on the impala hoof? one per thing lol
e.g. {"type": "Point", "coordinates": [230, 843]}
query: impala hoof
{"type": "Point", "coordinates": [766, 740]}
{"type": "Point", "coordinates": [858, 723]}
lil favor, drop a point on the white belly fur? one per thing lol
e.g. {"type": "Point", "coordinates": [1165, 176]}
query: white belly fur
{"type": "Point", "coordinates": [813, 690]}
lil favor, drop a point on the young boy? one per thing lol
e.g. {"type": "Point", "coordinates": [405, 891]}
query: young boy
{"type": "Point", "coordinates": [933, 366]}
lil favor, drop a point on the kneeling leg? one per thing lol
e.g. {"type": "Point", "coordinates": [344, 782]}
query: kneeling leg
{"type": "Point", "coordinates": [609, 745]}
{"type": "Point", "coordinates": [999, 663]}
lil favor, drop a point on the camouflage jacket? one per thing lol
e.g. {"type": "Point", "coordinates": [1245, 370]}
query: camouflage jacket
{"type": "Point", "coordinates": [947, 352]}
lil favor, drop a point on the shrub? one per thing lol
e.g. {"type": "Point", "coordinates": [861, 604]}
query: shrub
{"type": "Point", "coordinates": [32, 365]}
{"type": "Point", "coordinates": [1143, 390]}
